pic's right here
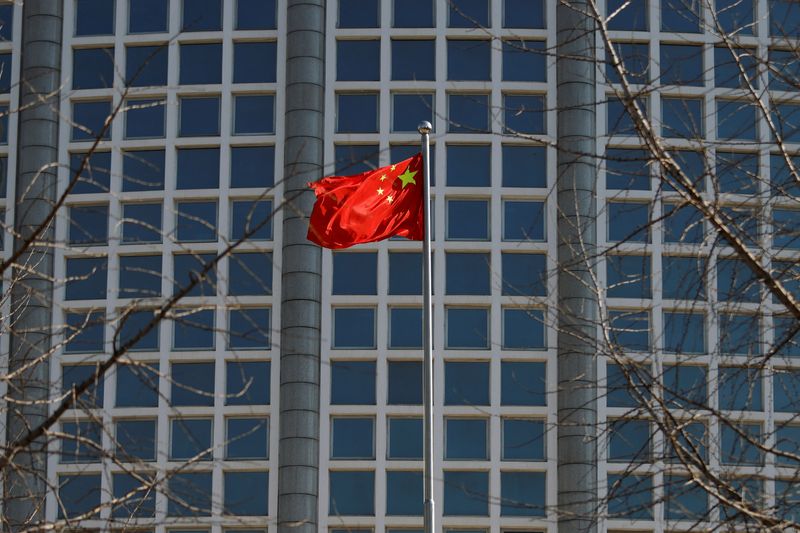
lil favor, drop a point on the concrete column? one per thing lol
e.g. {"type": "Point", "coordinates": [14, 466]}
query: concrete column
{"type": "Point", "coordinates": [32, 289]}
{"type": "Point", "coordinates": [577, 240]}
{"type": "Point", "coordinates": [298, 462]}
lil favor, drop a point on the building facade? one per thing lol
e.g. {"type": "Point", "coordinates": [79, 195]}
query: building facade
{"type": "Point", "coordinates": [195, 158]}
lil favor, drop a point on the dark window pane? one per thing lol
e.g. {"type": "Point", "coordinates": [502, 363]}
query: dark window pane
{"type": "Point", "coordinates": [78, 494]}
{"type": "Point", "coordinates": [252, 166]}
{"type": "Point", "coordinates": [92, 68]}
{"type": "Point", "coordinates": [405, 383]}
{"type": "Point", "coordinates": [524, 274]}
{"type": "Point", "coordinates": [628, 222]}
{"type": "Point", "coordinates": [353, 383]}
{"type": "Point", "coordinates": [524, 113]}
{"type": "Point", "coordinates": [524, 14]}
{"type": "Point", "coordinates": [251, 219]}
{"type": "Point", "coordinates": [201, 15]}
{"type": "Point", "coordinates": [786, 117]}
{"type": "Point", "coordinates": [523, 440]}
{"type": "Point", "coordinates": [355, 158]}
{"type": "Point", "coordinates": [146, 65]}
{"type": "Point", "coordinates": [143, 170]}
{"type": "Point", "coordinates": [523, 329]}
{"type": "Point", "coordinates": [199, 117]}
{"type": "Point", "coordinates": [89, 119]}
{"type": "Point", "coordinates": [196, 221]}
{"type": "Point", "coordinates": [468, 113]}
{"type": "Point", "coordinates": [254, 62]}
{"type": "Point", "coordinates": [249, 328]}
{"type": "Point", "coordinates": [465, 438]}
{"type": "Point", "coordinates": [352, 493]}
{"type": "Point", "coordinates": [785, 386]}
{"type": "Point", "coordinates": [141, 223]}
{"type": "Point", "coordinates": [198, 168]}
{"type": "Point", "coordinates": [405, 327]}
{"type": "Point", "coordinates": [144, 119]}
{"type": "Point", "coordinates": [523, 383]}
{"type": "Point", "coordinates": [618, 121]}
{"type": "Point", "coordinates": [739, 334]}
{"type": "Point", "coordinates": [684, 278]}
{"type": "Point", "coordinates": [685, 386]}
{"type": "Point", "coordinates": [523, 221]}
{"type": "Point", "coordinates": [635, 58]}
{"type": "Point", "coordinates": [684, 332]}
{"type": "Point", "coordinates": [189, 494]}
{"type": "Point", "coordinates": [359, 13]}
{"type": "Point", "coordinates": [522, 493]}
{"type": "Point", "coordinates": [469, 165]}
{"type": "Point", "coordinates": [95, 178]}
{"type": "Point", "coordinates": [738, 449]}
{"type": "Point", "coordinates": [467, 328]}
{"type": "Point", "coordinates": [404, 493]}
{"type": "Point", "coordinates": [246, 493]}
{"type": "Point", "coordinates": [405, 438]}
{"type": "Point", "coordinates": [405, 273]}
{"type": "Point", "coordinates": [247, 383]}
{"type": "Point", "coordinates": [629, 441]}
{"type": "Point", "coordinates": [88, 224]}
{"type": "Point", "coordinates": [136, 440]}
{"type": "Point", "coordinates": [250, 274]}
{"type": "Point", "coordinates": [784, 18]}
{"type": "Point", "coordinates": [255, 15]}
{"type": "Point", "coordinates": [247, 438]}
{"type": "Point", "coordinates": [786, 229]}
{"type": "Point", "coordinates": [620, 393]}
{"type": "Point", "coordinates": [355, 273]}
{"type": "Point", "coordinates": [409, 109]}
{"type": "Point", "coordinates": [353, 438]}
{"type": "Point", "coordinates": [466, 383]}
{"type": "Point", "coordinates": [468, 220]}
{"type": "Point", "coordinates": [84, 331]}
{"type": "Point", "coordinates": [627, 169]}
{"type": "Point", "coordinates": [86, 278]}
{"type": "Point", "coordinates": [192, 384]}
{"type": "Point", "coordinates": [133, 327]}
{"type": "Point", "coordinates": [413, 59]}
{"type": "Point", "coordinates": [736, 282]}
{"type": "Point", "coordinates": [190, 437]}
{"type": "Point", "coordinates": [628, 276]}
{"type": "Point", "coordinates": [465, 493]}
{"type": "Point", "coordinates": [200, 63]}
{"type": "Point", "coordinates": [630, 496]}
{"type": "Point", "coordinates": [188, 269]}
{"type": "Point", "coordinates": [736, 16]}
{"type": "Point", "coordinates": [139, 276]}
{"type": "Point", "coordinates": [682, 118]}
{"type": "Point", "coordinates": [682, 64]}
{"type": "Point", "coordinates": [194, 329]}
{"type": "Point", "coordinates": [354, 328]}
{"type": "Point", "coordinates": [137, 385]}
{"type": "Point", "coordinates": [357, 60]}
{"type": "Point", "coordinates": [737, 172]}
{"type": "Point", "coordinates": [630, 330]}
{"type": "Point", "coordinates": [254, 114]}
{"type": "Point", "coordinates": [147, 16]}
{"type": "Point", "coordinates": [524, 61]}
{"type": "Point", "coordinates": [84, 444]}
{"type": "Point", "coordinates": [467, 273]}
{"type": "Point", "coordinates": [6, 22]}
{"type": "Point", "coordinates": [736, 120]}
{"type": "Point", "coordinates": [684, 224]}
{"type": "Point", "coordinates": [740, 389]}
{"type": "Point", "coordinates": [134, 495]}
{"type": "Point", "coordinates": [681, 16]}
{"type": "Point", "coordinates": [413, 14]}
{"type": "Point", "coordinates": [632, 16]}
{"type": "Point", "coordinates": [469, 14]}
{"type": "Point", "coordinates": [75, 375]}
{"type": "Point", "coordinates": [468, 59]}
{"type": "Point", "coordinates": [357, 113]}
{"type": "Point", "coordinates": [727, 67]}
{"type": "Point", "coordinates": [524, 166]}
{"type": "Point", "coordinates": [787, 441]}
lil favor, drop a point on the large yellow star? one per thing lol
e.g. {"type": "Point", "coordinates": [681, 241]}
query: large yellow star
{"type": "Point", "coordinates": [407, 177]}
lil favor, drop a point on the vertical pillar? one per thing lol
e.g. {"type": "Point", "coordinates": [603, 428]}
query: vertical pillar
{"type": "Point", "coordinates": [298, 462]}
{"type": "Point", "coordinates": [577, 240]}
{"type": "Point", "coordinates": [32, 287]}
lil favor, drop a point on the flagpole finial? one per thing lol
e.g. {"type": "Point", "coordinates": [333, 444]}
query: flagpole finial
{"type": "Point", "coordinates": [424, 127]}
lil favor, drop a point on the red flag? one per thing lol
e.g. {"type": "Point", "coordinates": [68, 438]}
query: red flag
{"type": "Point", "coordinates": [368, 207]}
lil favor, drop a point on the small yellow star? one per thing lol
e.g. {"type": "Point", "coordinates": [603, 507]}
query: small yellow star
{"type": "Point", "coordinates": [380, 190]}
{"type": "Point", "coordinates": [393, 166]}
{"type": "Point", "coordinates": [390, 199]}
{"type": "Point", "coordinates": [383, 178]}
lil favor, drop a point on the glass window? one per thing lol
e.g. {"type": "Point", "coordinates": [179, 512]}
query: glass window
{"type": "Point", "coordinates": [468, 113]}
{"type": "Point", "coordinates": [739, 334]}
{"type": "Point", "coordinates": [134, 496]}
{"type": "Point", "coordinates": [199, 116]}
{"type": "Point", "coordinates": [358, 60]}
{"type": "Point", "coordinates": [254, 62]}
{"type": "Point", "coordinates": [74, 375]}
{"type": "Point", "coordinates": [635, 59]}
{"type": "Point", "coordinates": [146, 66]}
{"type": "Point", "coordinates": [247, 438]}
{"type": "Point", "coordinates": [785, 384]}
{"type": "Point", "coordinates": [354, 327]}
{"type": "Point", "coordinates": [736, 16]}
{"type": "Point", "coordinates": [523, 493]}
{"type": "Point", "coordinates": [684, 278]}
{"type": "Point", "coordinates": [468, 220]}
{"type": "Point", "coordinates": [628, 276]}
{"type": "Point", "coordinates": [78, 495]}
{"type": "Point", "coordinates": [466, 438]}
{"type": "Point", "coordinates": [141, 223]}
{"type": "Point", "coordinates": [630, 496]}
{"type": "Point", "coordinates": [194, 329]}
{"type": "Point", "coordinates": [255, 15]}
{"type": "Point", "coordinates": [469, 165]}
{"type": "Point", "coordinates": [137, 385]}
{"type": "Point", "coordinates": [782, 181]}
{"type": "Point", "coordinates": [739, 444]}
{"type": "Point", "coordinates": [784, 18]}
{"type": "Point", "coordinates": [627, 169]}
{"type": "Point", "coordinates": [190, 438]}
{"type": "Point", "coordinates": [133, 326]}
{"type": "Point", "coordinates": [524, 274]}
{"type": "Point", "coordinates": [682, 224]}
{"type": "Point", "coordinates": [5, 76]}
{"type": "Point", "coordinates": [682, 64]}
{"type": "Point", "coordinates": [95, 177]}
{"type": "Point", "coordinates": [88, 224]}
{"type": "Point", "coordinates": [198, 168]}
{"type": "Point", "coordinates": [786, 117]}
{"type": "Point", "coordinates": [249, 328]}
{"type": "Point", "coordinates": [465, 493]}
{"type": "Point", "coordinates": [405, 327]}
{"type": "Point", "coordinates": [352, 438]}
{"type": "Point", "coordinates": [523, 440]}
{"type": "Point", "coordinates": [467, 273]}
{"type": "Point", "coordinates": [201, 15]}
{"type": "Point", "coordinates": [684, 499]}
{"type": "Point", "coordinates": [789, 274]}
{"type": "Point", "coordinates": [355, 158]}
{"type": "Point", "coordinates": [405, 438]}
{"type": "Point", "coordinates": [192, 384]}
{"type": "Point", "coordinates": [405, 383]}
{"type": "Point", "coordinates": [467, 327]}
{"type": "Point", "coordinates": [189, 494]}
{"type": "Point", "coordinates": [357, 113]}
{"type": "Point", "coordinates": [352, 493]}
{"type": "Point", "coordinates": [140, 276]}
{"type": "Point", "coordinates": [737, 172]}
{"type": "Point", "coordinates": [628, 222]}
{"type": "Point", "coordinates": [523, 221]}
{"type": "Point", "coordinates": [524, 113]}
{"type": "Point", "coordinates": [189, 268]}
{"type": "Point", "coordinates": [787, 441]}
{"type": "Point", "coordinates": [630, 330]}
{"type": "Point", "coordinates": [6, 22]}
{"type": "Point", "coordinates": [353, 382]}
{"type": "Point", "coordinates": [629, 441]}
{"type": "Point", "coordinates": [524, 165]}
{"type": "Point", "coordinates": [358, 14]}
{"type": "Point", "coordinates": [409, 109]}
{"type": "Point", "coordinates": [740, 389]}
{"type": "Point", "coordinates": [251, 219]}
{"type": "Point", "coordinates": [92, 68]}
{"type": "Point", "coordinates": [682, 16]}
{"type": "Point", "coordinates": [783, 76]}
{"type": "Point", "coordinates": [144, 119]}
{"type": "Point", "coordinates": [628, 15]}
{"type": "Point", "coordinates": [684, 332]}
{"type": "Point", "coordinates": [86, 278]}
{"type": "Point", "coordinates": [692, 439]}
{"type": "Point", "coordinates": [200, 63]}
{"type": "Point", "coordinates": [736, 120]}
{"type": "Point", "coordinates": [784, 329]}
{"type": "Point", "coordinates": [143, 170]}
{"type": "Point", "coordinates": [523, 383]}
{"type": "Point", "coordinates": [786, 229]}
{"type": "Point", "coordinates": [147, 16]}
{"type": "Point", "coordinates": [250, 273]}
{"type": "Point", "coordinates": [246, 493]}
{"type": "Point", "coordinates": [619, 392]}
{"type": "Point", "coordinates": [736, 282]}
{"type": "Point", "coordinates": [197, 221]}
{"type": "Point", "coordinates": [84, 331]}
{"type": "Point", "coordinates": [136, 440]}
{"type": "Point", "coordinates": [524, 14]}
{"type": "Point", "coordinates": [523, 329]}
{"type": "Point", "coordinates": [469, 14]}
{"type": "Point", "coordinates": [682, 118]}
{"type": "Point", "coordinates": [469, 59]}
{"type": "Point", "coordinates": [413, 59]}
{"type": "Point", "coordinates": [413, 14]}
{"type": "Point", "coordinates": [404, 493]}
{"type": "Point", "coordinates": [618, 121]}
{"type": "Point", "coordinates": [89, 120]}
{"type": "Point", "coordinates": [524, 60]}
{"type": "Point", "coordinates": [405, 273]}
{"type": "Point", "coordinates": [466, 383]}
{"type": "Point", "coordinates": [252, 166]}
{"type": "Point", "coordinates": [728, 67]}
{"type": "Point", "coordinates": [254, 114]}
{"type": "Point", "coordinates": [247, 383]}
{"type": "Point", "coordinates": [84, 443]}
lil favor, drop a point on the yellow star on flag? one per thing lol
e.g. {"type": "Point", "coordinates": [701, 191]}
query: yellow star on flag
{"type": "Point", "coordinates": [380, 190]}
{"type": "Point", "coordinates": [390, 199]}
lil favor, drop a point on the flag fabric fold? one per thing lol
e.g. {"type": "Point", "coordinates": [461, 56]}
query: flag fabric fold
{"type": "Point", "coordinates": [368, 207]}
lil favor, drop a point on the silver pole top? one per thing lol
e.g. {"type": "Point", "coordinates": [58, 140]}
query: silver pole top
{"type": "Point", "coordinates": [424, 127]}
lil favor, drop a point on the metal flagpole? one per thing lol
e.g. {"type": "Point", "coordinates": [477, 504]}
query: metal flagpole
{"type": "Point", "coordinates": [427, 330]}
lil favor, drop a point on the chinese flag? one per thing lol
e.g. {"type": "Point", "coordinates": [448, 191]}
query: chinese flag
{"type": "Point", "coordinates": [370, 206]}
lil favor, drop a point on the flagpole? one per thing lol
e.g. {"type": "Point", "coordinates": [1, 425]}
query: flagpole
{"type": "Point", "coordinates": [424, 129]}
